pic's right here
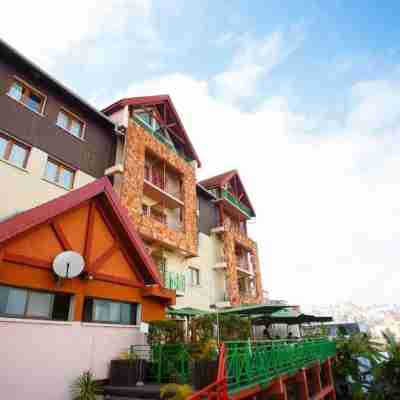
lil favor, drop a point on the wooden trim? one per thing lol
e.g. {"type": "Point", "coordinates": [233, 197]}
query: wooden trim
{"type": "Point", "coordinates": [60, 236]}
{"type": "Point", "coordinates": [96, 265]}
{"type": "Point", "coordinates": [121, 281]}
{"type": "Point", "coordinates": [30, 261]}
{"type": "Point", "coordinates": [89, 232]}
{"type": "Point", "coordinates": [72, 115]}
{"type": "Point", "coordinates": [32, 89]}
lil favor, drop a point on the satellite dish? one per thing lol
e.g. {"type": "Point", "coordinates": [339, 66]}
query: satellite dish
{"type": "Point", "coordinates": [68, 264]}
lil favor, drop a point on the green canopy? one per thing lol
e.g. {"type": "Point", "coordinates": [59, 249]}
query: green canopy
{"type": "Point", "coordinates": [260, 309]}
{"type": "Point", "coordinates": [186, 312]}
{"type": "Point", "coordinates": [288, 316]}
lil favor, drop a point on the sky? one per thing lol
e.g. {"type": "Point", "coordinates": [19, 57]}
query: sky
{"type": "Point", "coordinates": [302, 97]}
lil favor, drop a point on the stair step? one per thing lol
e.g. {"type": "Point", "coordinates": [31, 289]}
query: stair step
{"type": "Point", "coordinates": [146, 392]}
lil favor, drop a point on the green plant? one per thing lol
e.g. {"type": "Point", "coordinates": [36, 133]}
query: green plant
{"type": "Point", "coordinates": [173, 391]}
{"type": "Point", "coordinates": [129, 355]}
{"type": "Point", "coordinates": [167, 331]}
{"type": "Point", "coordinates": [233, 327]}
{"type": "Point", "coordinates": [85, 387]}
{"type": "Point", "coordinates": [205, 350]}
{"type": "Point", "coordinates": [386, 383]}
{"type": "Point", "coordinates": [351, 379]}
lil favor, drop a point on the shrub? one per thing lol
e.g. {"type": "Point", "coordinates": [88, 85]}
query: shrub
{"type": "Point", "coordinates": [85, 387]}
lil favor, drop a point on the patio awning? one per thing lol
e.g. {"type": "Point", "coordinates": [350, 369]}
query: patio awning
{"type": "Point", "coordinates": [259, 310]}
{"type": "Point", "coordinates": [186, 312]}
{"type": "Point", "coordinates": [288, 316]}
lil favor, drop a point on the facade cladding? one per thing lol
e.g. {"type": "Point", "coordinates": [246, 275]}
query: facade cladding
{"type": "Point", "coordinates": [92, 155]}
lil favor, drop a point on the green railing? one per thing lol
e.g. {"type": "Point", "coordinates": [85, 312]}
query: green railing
{"type": "Point", "coordinates": [175, 281]}
{"type": "Point", "coordinates": [160, 138]}
{"type": "Point", "coordinates": [252, 363]}
{"type": "Point", "coordinates": [166, 361]}
{"type": "Point", "coordinates": [232, 199]}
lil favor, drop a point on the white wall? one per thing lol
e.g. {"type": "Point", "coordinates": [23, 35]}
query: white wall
{"type": "Point", "coordinates": [41, 359]}
{"type": "Point", "coordinates": [22, 189]}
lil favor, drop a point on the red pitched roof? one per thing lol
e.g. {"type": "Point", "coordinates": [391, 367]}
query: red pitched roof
{"type": "Point", "coordinates": [218, 180]}
{"type": "Point", "coordinates": [222, 179]}
{"type": "Point", "coordinates": [100, 188]}
{"type": "Point", "coordinates": [160, 100]}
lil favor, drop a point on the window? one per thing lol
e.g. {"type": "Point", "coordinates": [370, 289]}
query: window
{"type": "Point", "coordinates": [28, 96]}
{"type": "Point", "coordinates": [59, 174]}
{"type": "Point", "coordinates": [158, 215]}
{"type": "Point", "coordinates": [194, 275]}
{"type": "Point", "coordinates": [70, 123]}
{"type": "Point", "coordinates": [25, 303]}
{"type": "Point", "coordinates": [108, 311]}
{"type": "Point", "coordinates": [14, 152]}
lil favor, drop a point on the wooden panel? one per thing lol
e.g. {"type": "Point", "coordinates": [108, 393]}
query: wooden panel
{"type": "Point", "coordinates": [118, 267]}
{"type": "Point", "coordinates": [40, 243]}
{"type": "Point", "coordinates": [102, 238]}
{"type": "Point", "coordinates": [74, 225]}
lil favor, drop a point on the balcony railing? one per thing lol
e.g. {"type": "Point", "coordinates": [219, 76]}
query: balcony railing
{"type": "Point", "coordinates": [162, 139]}
{"type": "Point", "coordinates": [232, 199]}
{"type": "Point", "coordinates": [156, 178]}
{"type": "Point", "coordinates": [175, 281]}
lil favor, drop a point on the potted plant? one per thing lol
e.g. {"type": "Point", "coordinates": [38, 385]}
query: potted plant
{"type": "Point", "coordinates": [205, 363]}
{"type": "Point", "coordinates": [128, 370]}
{"type": "Point", "coordinates": [173, 391]}
{"type": "Point", "coordinates": [85, 387]}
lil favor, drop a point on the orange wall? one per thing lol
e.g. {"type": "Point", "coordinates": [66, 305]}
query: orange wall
{"type": "Point", "coordinates": [41, 244]}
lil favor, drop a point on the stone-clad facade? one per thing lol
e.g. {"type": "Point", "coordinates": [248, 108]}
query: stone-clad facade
{"type": "Point", "coordinates": [137, 142]}
{"type": "Point", "coordinates": [230, 239]}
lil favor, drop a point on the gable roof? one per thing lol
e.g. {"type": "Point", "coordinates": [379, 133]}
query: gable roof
{"type": "Point", "coordinates": [8, 52]}
{"type": "Point", "coordinates": [102, 190]}
{"type": "Point", "coordinates": [218, 180]}
{"type": "Point", "coordinates": [222, 179]}
{"type": "Point", "coordinates": [162, 102]}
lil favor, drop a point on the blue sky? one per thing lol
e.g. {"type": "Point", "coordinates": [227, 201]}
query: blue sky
{"type": "Point", "coordinates": [303, 97]}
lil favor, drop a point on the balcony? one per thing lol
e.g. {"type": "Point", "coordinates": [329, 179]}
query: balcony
{"type": "Point", "coordinates": [235, 204]}
{"type": "Point", "coordinates": [161, 138]}
{"type": "Point", "coordinates": [163, 191]}
{"type": "Point", "coordinates": [175, 281]}
{"type": "Point", "coordinates": [245, 267]}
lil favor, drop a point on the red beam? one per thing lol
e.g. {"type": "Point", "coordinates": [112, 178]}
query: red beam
{"type": "Point", "coordinates": [61, 236]}
{"type": "Point", "coordinates": [97, 264]}
{"type": "Point", "coordinates": [89, 232]}
{"type": "Point", "coordinates": [31, 261]}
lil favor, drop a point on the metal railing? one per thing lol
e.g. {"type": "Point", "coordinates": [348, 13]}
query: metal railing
{"type": "Point", "coordinates": [246, 363]}
{"type": "Point", "coordinates": [258, 362]}
{"type": "Point", "coordinates": [175, 281]}
{"type": "Point", "coordinates": [232, 199]}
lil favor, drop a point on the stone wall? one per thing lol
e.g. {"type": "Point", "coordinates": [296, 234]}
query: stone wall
{"type": "Point", "coordinates": [230, 239]}
{"type": "Point", "coordinates": [137, 141]}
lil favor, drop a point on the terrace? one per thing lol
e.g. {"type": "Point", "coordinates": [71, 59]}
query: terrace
{"type": "Point", "coordinates": [238, 369]}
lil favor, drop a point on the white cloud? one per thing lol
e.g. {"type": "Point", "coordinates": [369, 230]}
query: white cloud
{"type": "Point", "coordinates": [328, 206]}
{"type": "Point", "coordinates": [47, 29]}
{"type": "Point", "coordinates": [254, 59]}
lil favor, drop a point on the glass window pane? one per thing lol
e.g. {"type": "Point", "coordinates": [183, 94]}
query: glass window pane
{"type": "Point", "coordinates": [51, 171]}
{"type": "Point", "coordinates": [66, 178]}
{"type": "Point", "coordinates": [126, 313]}
{"type": "Point", "coordinates": [12, 301]}
{"type": "Point", "coordinates": [18, 155]}
{"type": "Point", "coordinates": [3, 146]}
{"type": "Point", "coordinates": [16, 91]}
{"type": "Point", "coordinates": [115, 312]}
{"type": "Point", "coordinates": [62, 120]}
{"type": "Point", "coordinates": [101, 310]}
{"type": "Point", "coordinates": [34, 102]}
{"type": "Point", "coordinates": [76, 128]}
{"type": "Point", "coordinates": [39, 305]}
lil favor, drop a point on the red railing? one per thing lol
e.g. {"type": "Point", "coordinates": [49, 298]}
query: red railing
{"type": "Point", "coordinates": [217, 390]}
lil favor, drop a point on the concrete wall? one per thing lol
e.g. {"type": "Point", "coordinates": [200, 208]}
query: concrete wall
{"type": "Point", "coordinates": [23, 189]}
{"type": "Point", "coordinates": [41, 359]}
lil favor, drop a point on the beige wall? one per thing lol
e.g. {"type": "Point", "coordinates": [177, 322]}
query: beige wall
{"type": "Point", "coordinates": [212, 282]}
{"type": "Point", "coordinates": [23, 189]}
